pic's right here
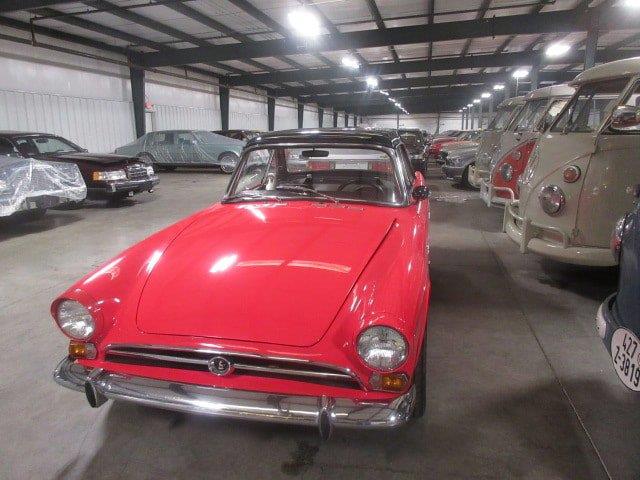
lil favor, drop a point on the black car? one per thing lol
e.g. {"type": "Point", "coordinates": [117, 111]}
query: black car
{"type": "Point", "coordinates": [107, 176]}
{"type": "Point", "coordinates": [244, 135]}
{"type": "Point", "coordinates": [416, 143]}
{"type": "Point", "coordinates": [618, 318]}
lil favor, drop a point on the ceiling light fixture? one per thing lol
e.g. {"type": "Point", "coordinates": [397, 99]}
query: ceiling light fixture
{"type": "Point", "coordinates": [350, 62]}
{"type": "Point", "coordinates": [631, 3]}
{"type": "Point", "coordinates": [520, 73]}
{"type": "Point", "coordinates": [304, 22]}
{"type": "Point", "coordinates": [498, 86]}
{"type": "Point", "coordinates": [372, 82]}
{"type": "Point", "coordinates": [556, 50]}
{"type": "Point", "coordinates": [476, 100]}
{"type": "Point", "coordinates": [485, 95]}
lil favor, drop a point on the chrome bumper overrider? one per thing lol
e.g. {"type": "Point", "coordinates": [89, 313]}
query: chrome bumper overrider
{"type": "Point", "coordinates": [237, 404]}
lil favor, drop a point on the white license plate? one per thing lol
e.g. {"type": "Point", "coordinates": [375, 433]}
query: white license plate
{"type": "Point", "coordinates": [625, 355]}
{"type": "Point", "coordinates": [352, 166]}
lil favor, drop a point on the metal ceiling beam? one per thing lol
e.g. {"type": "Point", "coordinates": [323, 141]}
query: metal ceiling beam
{"type": "Point", "coordinates": [517, 59]}
{"type": "Point", "coordinates": [377, 18]}
{"type": "Point", "coordinates": [439, 80]}
{"type": "Point", "coordinates": [482, 10]}
{"type": "Point", "coordinates": [564, 21]}
{"type": "Point", "coordinates": [7, 6]}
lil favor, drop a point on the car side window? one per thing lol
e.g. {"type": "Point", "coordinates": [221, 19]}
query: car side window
{"type": "Point", "coordinates": [407, 169]}
{"type": "Point", "coordinates": [6, 148]}
{"type": "Point", "coordinates": [160, 139]}
{"type": "Point", "coordinates": [185, 139]}
{"type": "Point", "coordinates": [552, 112]}
{"type": "Point", "coordinates": [26, 147]}
{"type": "Point", "coordinates": [633, 101]}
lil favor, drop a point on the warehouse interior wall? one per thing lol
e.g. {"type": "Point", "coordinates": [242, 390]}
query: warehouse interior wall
{"type": "Point", "coordinates": [427, 121]}
{"type": "Point", "coordinates": [286, 114]}
{"type": "Point", "coordinates": [310, 119]}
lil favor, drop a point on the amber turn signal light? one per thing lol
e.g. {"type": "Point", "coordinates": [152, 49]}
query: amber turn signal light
{"type": "Point", "coordinates": [82, 350]}
{"type": "Point", "coordinates": [392, 382]}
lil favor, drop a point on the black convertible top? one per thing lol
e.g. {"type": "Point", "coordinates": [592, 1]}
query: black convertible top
{"type": "Point", "coordinates": [365, 137]}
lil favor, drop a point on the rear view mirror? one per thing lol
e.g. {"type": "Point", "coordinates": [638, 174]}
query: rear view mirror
{"type": "Point", "coordinates": [315, 153]}
{"type": "Point", "coordinates": [626, 118]}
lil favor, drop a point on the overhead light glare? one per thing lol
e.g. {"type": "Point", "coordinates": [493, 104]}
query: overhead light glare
{"type": "Point", "coordinates": [385, 93]}
{"type": "Point", "coordinates": [486, 95]}
{"type": "Point", "coordinates": [556, 50]}
{"type": "Point", "coordinates": [476, 100]}
{"type": "Point", "coordinates": [520, 73]}
{"type": "Point", "coordinates": [470, 105]}
{"type": "Point", "coordinates": [631, 3]}
{"type": "Point", "coordinates": [372, 82]}
{"type": "Point", "coordinates": [304, 22]}
{"type": "Point", "coordinates": [498, 86]}
{"type": "Point", "coordinates": [350, 62]}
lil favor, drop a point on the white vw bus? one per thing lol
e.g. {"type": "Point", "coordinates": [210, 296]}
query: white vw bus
{"type": "Point", "coordinates": [541, 108]}
{"type": "Point", "coordinates": [490, 142]}
{"type": "Point", "coordinates": [582, 174]}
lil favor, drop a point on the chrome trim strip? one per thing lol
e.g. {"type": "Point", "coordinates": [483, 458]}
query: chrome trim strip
{"type": "Point", "coordinates": [237, 404]}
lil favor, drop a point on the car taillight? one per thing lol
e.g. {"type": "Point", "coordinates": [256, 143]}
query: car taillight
{"type": "Point", "coordinates": [516, 160]}
{"type": "Point", "coordinates": [319, 165]}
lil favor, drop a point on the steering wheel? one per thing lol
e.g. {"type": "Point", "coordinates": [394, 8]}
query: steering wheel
{"type": "Point", "coordinates": [364, 183]}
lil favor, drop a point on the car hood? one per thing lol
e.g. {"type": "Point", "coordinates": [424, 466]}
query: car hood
{"type": "Point", "coordinates": [275, 273]}
{"type": "Point", "coordinates": [99, 158]}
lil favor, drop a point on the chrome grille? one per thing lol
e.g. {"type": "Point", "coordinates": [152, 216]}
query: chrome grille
{"type": "Point", "coordinates": [137, 171]}
{"type": "Point", "coordinates": [243, 364]}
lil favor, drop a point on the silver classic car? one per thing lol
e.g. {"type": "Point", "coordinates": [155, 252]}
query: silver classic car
{"type": "Point", "coordinates": [170, 149]}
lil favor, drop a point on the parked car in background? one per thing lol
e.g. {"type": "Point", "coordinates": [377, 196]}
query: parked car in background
{"type": "Point", "coordinates": [436, 145]}
{"type": "Point", "coordinates": [618, 318]}
{"type": "Point", "coordinates": [29, 187]}
{"type": "Point", "coordinates": [170, 149]}
{"type": "Point", "coordinates": [243, 135]}
{"type": "Point", "coordinates": [581, 175]}
{"type": "Point", "coordinates": [489, 145]}
{"type": "Point", "coordinates": [106, 176]}
{"type": "Point", "coordinates": [468, 140]}
{"type": "Point", "coordinates": [335, 257]}
{"type": "Point", "coordinates": [415, 142]}
{"type": "Point", "coordinates": [541, 108]}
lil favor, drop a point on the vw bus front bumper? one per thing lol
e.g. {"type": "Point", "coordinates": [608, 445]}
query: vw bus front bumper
{"type": "Point", "coordinates": [550, 241]}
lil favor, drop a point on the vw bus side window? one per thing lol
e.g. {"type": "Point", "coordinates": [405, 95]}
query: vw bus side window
{"type": "Point", "coordinates": [530, 115]}
{"type": "Point", "coordinates": [626, 118]}
{"type": "Point", "coordinates": [589, 106]}
{"type": "Point", "coordinates": [552, 112]}
{"type": "Point", "coordinates": [501, 120]}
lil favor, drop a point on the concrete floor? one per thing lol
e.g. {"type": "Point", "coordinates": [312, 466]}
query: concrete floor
{"type": "Point", "coordinates": [519, 384]}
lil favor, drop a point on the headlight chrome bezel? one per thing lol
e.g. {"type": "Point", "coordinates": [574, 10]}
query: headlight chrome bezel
{"type": "Point", "coordinates": [369, 335]}
{"type": "Point", "coordinates": [552, 200]}
{"type": "Point", "coordinates": [75, 320]}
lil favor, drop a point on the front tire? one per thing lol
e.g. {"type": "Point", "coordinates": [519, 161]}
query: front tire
{"type": "Point", "coordinates": [465, 178]}
{"type": "Point", "coordinates": [420, 384]}
{"type": "Point", "coordinates": [228, 162]}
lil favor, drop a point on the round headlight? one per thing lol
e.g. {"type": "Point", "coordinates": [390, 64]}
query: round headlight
{"type": "Point", "coordinates": [552, 199]}
{"type": "Point", "coordinates": [75, 320]}
{"type": "Point", "coordinates": [382, 348]}
{"type": "Point", "coordinates": [506, 170]}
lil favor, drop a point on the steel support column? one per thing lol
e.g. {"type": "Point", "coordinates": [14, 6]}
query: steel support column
{"type": "Point", "coordinates": [271, 113]}
{"type": "Point", "coordinates": [591, 45]}
{"type": "Point", "coordinates": [300, 114]}
{"type": "Point", "coordinates": [223, 92]}
{"type": "Point", "coordinates": [335, 119]}
{"type": "Point", "coordinates": [137, 96]}
{"type": "Point", "coordinates": [320, 115]}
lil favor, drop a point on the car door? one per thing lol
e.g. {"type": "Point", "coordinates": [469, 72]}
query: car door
{"type": "Point", "coordinates": [187, 151]}
{"type": "Point", "coordinates": [160, 146]}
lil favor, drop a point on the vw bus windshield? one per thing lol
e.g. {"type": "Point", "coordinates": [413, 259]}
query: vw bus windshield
{"type": "Point", "coordinates": [530, 115]}
{"type": "Point", "coordinates": [501, 120]}
{"type": "Point", "coordinates": [589, 106]}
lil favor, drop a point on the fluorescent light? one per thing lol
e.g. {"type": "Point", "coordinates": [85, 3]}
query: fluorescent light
{"type": "Point", "coordinates": [397, 104]}
{"type": "Point", "coordinates": [470, 105]}
{"type": "Point", "coordinates": [372, 82]}
{"type": "Point", "coordinates": [304, 22]}
{"type": "Point", "coordinates": [350, 62]}
{"type": "Point", "coordinates": [631, 3]}
{"type": "Point", "coordinates": [460, 111]}
{"type": "Point", "coordinates": [556, 50]}
{"type": "Point", "coordinates": [476, 100]}
{"type": "Point", "coordinates": [498, 86]}
{"type": "Point", "coordinates": [384, 92]}
{"type": "Point", "coordinates": [392, 100]}
{"type": "Point", "coordinates": [486, 95]}
{"type": "Point", "coordinates": [520, 73]}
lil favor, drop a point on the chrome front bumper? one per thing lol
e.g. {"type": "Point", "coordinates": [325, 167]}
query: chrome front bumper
{"type": "Point", "coordinates": [526, 234]}
{"type": "Point", "coordinates": [236, 404]}
{"type": "Point", "coordinates": [488, 193]}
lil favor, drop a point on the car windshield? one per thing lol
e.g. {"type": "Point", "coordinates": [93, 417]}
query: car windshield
{"type": "Point", "coordinates": [32, 145]}
{"type": "Point", "coordinates": [209, 137]}
{"type": "Point", "coordinates": [317, 173]}
{"type": "Point", "coordinates": [530, 115]}
{"type": "Point", "coordinates": [589, 106]}
{"type": "Point", "coordinates": [412, 139]}
{"type": "Point", "coordinates": [501, 120]}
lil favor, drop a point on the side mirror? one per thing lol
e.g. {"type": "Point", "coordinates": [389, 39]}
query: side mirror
{"type": "Point", "coordinates": [421, 192]}
{"type": "Point", "coordinates": [626, 118]}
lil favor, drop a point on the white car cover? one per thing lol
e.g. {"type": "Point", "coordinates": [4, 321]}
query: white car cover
{"type": "Point", "coordinates": [26, 184]}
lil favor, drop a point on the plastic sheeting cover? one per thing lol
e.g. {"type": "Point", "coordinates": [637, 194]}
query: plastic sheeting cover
{"type": "Point", "coordinates": [27, 184]}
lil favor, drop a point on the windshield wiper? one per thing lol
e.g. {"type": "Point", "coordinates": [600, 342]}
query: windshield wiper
{"type": "Point", "coordinates": [250, 195]}
{"type": "Point", "coordinates": [306, 191]}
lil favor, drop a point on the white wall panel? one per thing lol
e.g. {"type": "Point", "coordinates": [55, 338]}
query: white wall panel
{"type": "Point", "coordinates": [286, 116]}
{"type": "Point", "coordinates": [310, 119]}
{"type": "Point", "coordinates": [173, 117]}
{"type": "Point", "coordinates": [341, 120]}
{"type": "Point", "coordinates": [248, 111]}
{"type": "Point", "coordinates": [423, 121]}
{"type": "Point", "coordinates": [327, 118]}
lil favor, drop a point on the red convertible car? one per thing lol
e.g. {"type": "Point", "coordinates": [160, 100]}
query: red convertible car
{"type": "Point", "coordinates": [301, 298]}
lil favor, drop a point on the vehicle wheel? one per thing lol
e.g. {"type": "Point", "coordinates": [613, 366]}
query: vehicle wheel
{"type": "Point", "coordinates": [36, 214]}
{"type": "Point", "coordinates": [465, 178]}
{"type": "Point", "coordinates": [420, 383]}
{"type": "Point", "coordinates": [228, 162]}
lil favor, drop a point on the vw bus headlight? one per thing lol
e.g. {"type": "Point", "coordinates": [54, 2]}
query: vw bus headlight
{"type": "Point", "coordinates": [75, 320]}
{"type": "Point", "coordinates": [552, 199]}
{"type": "Point", "coordinates": [382, 348]}
{"type": "Point", "coordinates": [506, 170]}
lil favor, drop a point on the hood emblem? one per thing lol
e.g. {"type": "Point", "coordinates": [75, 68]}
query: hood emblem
{"type": "Point", "coordinates": [220, 366]}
